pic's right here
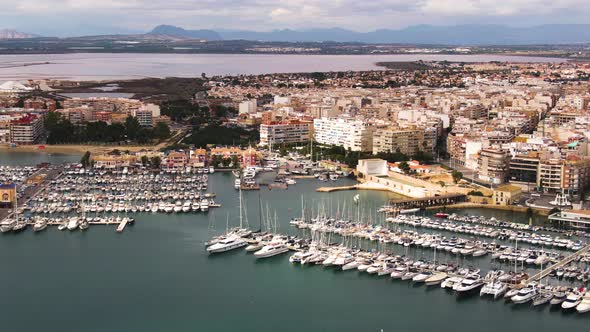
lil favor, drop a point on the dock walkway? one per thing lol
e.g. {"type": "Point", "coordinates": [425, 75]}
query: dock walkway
{"type": "Point", "coordinates": [545, 272]}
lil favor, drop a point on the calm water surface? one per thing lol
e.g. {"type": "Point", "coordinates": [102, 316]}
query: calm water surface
{"type": "Point", "coordinates": [156, 276]}
{"type": "Point", "coordinates": [82, 66]}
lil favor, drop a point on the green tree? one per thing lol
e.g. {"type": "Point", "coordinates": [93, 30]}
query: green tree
{"type": "Point", "coordinates": [156, 162]}
{"type": "Point", "coordinates": [235, 161]}
{"type": "Point", "coordinates": [161, 130]}
{"type": "Point", "coordinates": [85, 161]}
{"type": "Point", "coordinates": [457, 176]}
{"type": "Point", "coordinates": [225, 162]}
{"type": "Point", "coordinates": [132, 128]}
{"type": "Point", "coordinates": [145, 160]}
{"type": "Point", "coordinates": [404, 167]}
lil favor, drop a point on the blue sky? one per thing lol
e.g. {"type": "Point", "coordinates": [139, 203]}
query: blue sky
{"type": "Point", "coordinates": [82, 17]}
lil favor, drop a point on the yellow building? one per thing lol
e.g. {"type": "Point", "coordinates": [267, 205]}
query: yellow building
{"type": "Point", "coordinates": [7, 194]}
{"type": "Point", "coordinates": [506, 194]}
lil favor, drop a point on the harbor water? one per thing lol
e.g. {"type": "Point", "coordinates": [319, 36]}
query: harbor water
{"type": "Point", "coordinates": [157, 276]}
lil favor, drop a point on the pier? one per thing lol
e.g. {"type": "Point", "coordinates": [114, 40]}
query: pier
{"type": "Point", "coordinates": [545, 272]}
{"type": "Point", "coordinates": [425, 202]}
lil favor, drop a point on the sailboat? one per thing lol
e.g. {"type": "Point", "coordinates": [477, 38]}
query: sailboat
{"type": "Point", "coordinates": [356, 198]}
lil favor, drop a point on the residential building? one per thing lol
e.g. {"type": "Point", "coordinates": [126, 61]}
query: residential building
{"type": "Point", "coordinates": [288, 132]}
{"type": "Point", "coordinates": [248, 106]}
{"type": "Point", "coordinates": [27, 129]}
{"type": "Point", "coordinates": [404, 140]}
{"type": "Point", "coordinates": [493, 165]}
{"type": "Point", "coordinates": [352, 134]}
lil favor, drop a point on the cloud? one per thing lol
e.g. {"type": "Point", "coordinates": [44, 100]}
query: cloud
{"type": "Point", "coordinates": [300, 14]}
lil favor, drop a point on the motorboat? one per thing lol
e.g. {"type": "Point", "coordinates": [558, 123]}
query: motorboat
{"type": "Point", "coordinates": [468, 284]}
{"type": "Point", "coordinates": [40, 225]}
{"type": "Point", "coordinates": [572, 300]}
{"type": "Point", "coordinates": [398, 272]}
{"type": "Point", "coordinates": [72, 223]}
{"type": "Point", "coordinates": [422, 276]}
{"type": "Point", "coordinates": [227, 244]}
{"type": "Point", "coordinates": [272, 249]}
{"type": "Point", "coordinates": [494, 288]}
{"type": "Point", "coordinates": [542, 298]}
{"type": "Point", "coordinates": [7, 225]}
{"type": "Point", "coordinates": [84, 225]}
{"type": "Point", "coordinates": [584, 306]}
{"type": "Point", "coordinates": [436, 279]}
{"type": "Point", "coordinates": [351, 266]}
{"type": "Point", "coordinates": [451, 282]}
{"type": "Point", "coordinates": [558, 298]}
{"type": "Point", "coordinates": [63, 225]}
{"type": "Point", "coordinates": [524, 295]}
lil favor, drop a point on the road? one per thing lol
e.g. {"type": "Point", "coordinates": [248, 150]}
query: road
{"type": "Point", "coordinates": [24, 196]}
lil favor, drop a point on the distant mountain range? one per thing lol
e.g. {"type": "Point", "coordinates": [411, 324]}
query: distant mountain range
{"type": "Point", "coordinates": [170, 30]}
{"type": "Point", "coordinates": [13, 34]}
{"type": "Point", "coordinates": [474, 34]}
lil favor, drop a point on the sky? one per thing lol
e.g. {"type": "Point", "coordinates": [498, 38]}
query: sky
{"type": "Point", "coordinates": [84, 17]}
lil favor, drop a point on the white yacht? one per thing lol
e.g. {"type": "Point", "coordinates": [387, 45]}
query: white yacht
{"type": "Point", "coordinates": [571, 301]}
{"type": "Point", "coordinates": [7, 225]}
{"type": "Point", "coordinates": [524, 295]}
{"type": "Point", "coordinates": [230, 243]}
{"type": "Point", "coordinates": [422, 276]}
{"type": "Point", "coordinates": [211, 170]}
{"type": "Point", "coordinates": [272, 249]}
{"type": "Point", "coordinates": [204, 205]}
{"type": "Point", "coordinates": [436, 279]}
{"type": "Point", "coordinates": [494, 288]}
{"type": "Point", "coordinates": [237, 183]}
{"type": "Point", "coordinates": [451, 282]}
{"type": "Point", "coordinates": [584, 306]}
{"type": "Point", "coordinates": [72, 223]}
{"type": "Point", "coordinates": [40, 225]}
{"type": "Point", "coordinates": [468, 284]}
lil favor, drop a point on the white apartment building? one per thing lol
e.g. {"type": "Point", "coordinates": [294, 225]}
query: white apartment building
{"type": "Point", "coordinates": [349, 133]}
{"type": "Point", "coordinates": [26, 130]}
{"type": "Point", "coordinates": [247, 107]}
{"type": "Point", "coordinates": [284, 132]}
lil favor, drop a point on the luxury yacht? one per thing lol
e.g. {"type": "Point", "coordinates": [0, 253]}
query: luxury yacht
{"type": "Point", "coordinates": [227, 244]}
{"type": "Point", "coordinates": [495, 288]}
{"type": "Point", "coordinates": [7, 225]}
{"type": "Point", "coordinates": [468, 284]}
{"type": "Point", "coordinates": [542, 298]}
{"type": "Point", "coordinates": [558, 298]}
{"type": "Point", "coordinates": [40, 225]}
{"type": "Point", "coordinates": [572, 300]}
{"type": "Point", "coordinates": [436, 279]}
{"type": "Point", "coordinates": [272, 249]}
{"type": "Point", "coordinates": [524, 295]}
{"type": "Point", "coordinates": [72, 223]}
{"type": "Point", "coordinates": [584, 306]}
{"type": "Point", "coordinates": [422, 276]}
{"type": "Point", "coordinates": [451, 282]}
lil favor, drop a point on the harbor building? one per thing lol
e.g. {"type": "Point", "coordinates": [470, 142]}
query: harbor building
{"type": "Point", "coordinates": [572, 218]}
{"type": "Point", "coordinates": [7, 194]}
{"type": "Point", "coordinates": [506, 195]}
{"type": "Point", "coordinates": [352, 134]}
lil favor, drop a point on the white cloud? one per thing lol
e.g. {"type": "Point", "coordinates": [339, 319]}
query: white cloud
{"type": "Point", "coordinates": [271, 14]}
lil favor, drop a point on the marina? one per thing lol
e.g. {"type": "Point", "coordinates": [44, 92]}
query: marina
{"type": "Point", "coordinates": [179, 258]}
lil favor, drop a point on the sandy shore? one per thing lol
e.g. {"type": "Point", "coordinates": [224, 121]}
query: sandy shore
{"type": "Point", "coordinates": [76, 149]}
